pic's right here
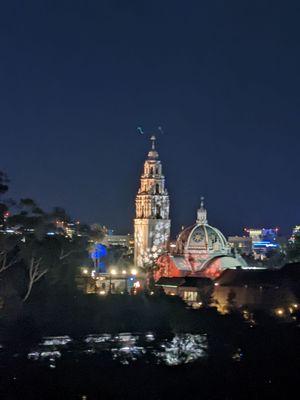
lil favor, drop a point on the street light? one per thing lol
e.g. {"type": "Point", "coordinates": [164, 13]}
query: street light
{"type": "Point", "coordinates": [134, 271]}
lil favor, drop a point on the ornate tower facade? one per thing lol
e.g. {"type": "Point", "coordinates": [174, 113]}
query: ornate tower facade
{"type": "Point", "coordinates": [152, 223]}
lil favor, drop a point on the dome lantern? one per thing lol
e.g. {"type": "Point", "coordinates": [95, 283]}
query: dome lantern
{"type": "Point", "coordinates": [202, 213]}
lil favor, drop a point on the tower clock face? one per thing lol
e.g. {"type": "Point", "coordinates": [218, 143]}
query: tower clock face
{"type": "Point", "coordinates": [198, 236]}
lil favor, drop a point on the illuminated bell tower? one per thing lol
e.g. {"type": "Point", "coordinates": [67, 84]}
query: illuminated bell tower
{"type": "Point", "coordinates": [152, 223]}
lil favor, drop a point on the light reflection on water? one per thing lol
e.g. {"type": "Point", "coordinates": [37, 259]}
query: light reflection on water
{"type": "Point", "coordinates": [124, 348]}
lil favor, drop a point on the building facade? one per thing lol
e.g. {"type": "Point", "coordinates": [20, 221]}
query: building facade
{"type": "Point", "coordinates": [273, 291]}
{"type": "Point", "coordinates": [241, 244]}
{"type": "Point", "coordinates": [152, 223]}
{"type": "Point", "coordinates": [111, 239]}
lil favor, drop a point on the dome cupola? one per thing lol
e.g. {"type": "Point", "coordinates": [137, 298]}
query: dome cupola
{"type": "Point", "coordinates": [201, 236]}
{"type": "Point", "coordinates": [202, 213]}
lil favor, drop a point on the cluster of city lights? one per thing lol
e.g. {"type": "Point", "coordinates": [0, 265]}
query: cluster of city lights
{"type": "Point", "coordinates": [280, 312]}
{"type": "Point", "coordinates": [114, 271]}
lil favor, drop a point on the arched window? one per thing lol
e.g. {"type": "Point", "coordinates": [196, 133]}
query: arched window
{"type": "Point", "coordinates": [158, 212]}
{"type": "Point", "coordinates": [157, 171]}
{"type": "Point", "coordinates": [151, 171]}
{"type": "Point", "coordinates": [157, 188]}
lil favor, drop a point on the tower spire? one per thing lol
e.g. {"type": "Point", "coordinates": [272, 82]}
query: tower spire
{"type": "Point", "coordinates": [153, 139]}
{"type": "Point", "coordinates": [153, 153]}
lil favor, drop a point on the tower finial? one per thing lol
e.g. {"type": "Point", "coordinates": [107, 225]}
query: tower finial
{"type": "Point", "coordinates": [202, 213]}
{"type": "Point", "coordinates": [153, 139]}
{"type": "Point", "coordinates": [153, 153]}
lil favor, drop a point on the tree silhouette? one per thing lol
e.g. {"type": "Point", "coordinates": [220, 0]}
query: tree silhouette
{"type": "Point", "coordinates": [206, 296]}
{"type": "Point", "coordinates": [231, 300]}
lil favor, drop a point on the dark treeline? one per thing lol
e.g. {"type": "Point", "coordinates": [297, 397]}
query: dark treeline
{"type": "Point", "coordinates": [38, 290]}
{"type": "Point", "coordinates": [39, 261]}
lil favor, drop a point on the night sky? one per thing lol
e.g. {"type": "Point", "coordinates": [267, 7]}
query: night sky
{"type": "Point", "coordinates": [221, 77]}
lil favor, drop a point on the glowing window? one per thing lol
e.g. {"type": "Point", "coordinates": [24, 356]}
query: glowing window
{"type": "Point", "coordinates": [190, 296]}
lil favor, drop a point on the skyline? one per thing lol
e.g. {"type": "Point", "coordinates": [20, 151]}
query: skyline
{"type": "Point", "coordinates": [202, 198]}
{"type": "Point", "coordinates": [222, 82]}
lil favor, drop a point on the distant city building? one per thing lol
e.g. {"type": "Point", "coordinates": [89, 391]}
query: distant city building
{"type": "Point", "coordinates": [68, 229]}
{"type": "Point", "coordinates": [152, 223]}
{"type": "Point", "coordinates": [58, 227]}
{"type": "Point", "coordinates": [253, 233]}
{"type": "Point", "coordinates": [118, 240]}
{"type": "Point", "coordinates": [263, 240]}
{"type": "Point", "coordinates": [241, 244]}
{"type": "Point", "coordinates": [296, 232]}
{"type": "Point", "coordinates": [273, 291]}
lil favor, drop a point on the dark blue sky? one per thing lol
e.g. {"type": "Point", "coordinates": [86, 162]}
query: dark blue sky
{"type": "Point", "coordinates": [221, 77]}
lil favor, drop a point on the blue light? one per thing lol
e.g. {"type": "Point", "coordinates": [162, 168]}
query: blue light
{"type": "Point", "coordinates": [98, 252]}
{"type": "Point", "coordinates": [264, 244]}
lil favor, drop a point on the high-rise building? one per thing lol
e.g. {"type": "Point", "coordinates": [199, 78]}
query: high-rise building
{"type": "Point", "coordinates": [152, 223]}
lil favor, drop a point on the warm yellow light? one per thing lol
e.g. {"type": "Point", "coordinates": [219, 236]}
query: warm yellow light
{"type": "Point", "coordinates": [134, 271]}
{"type": "Point", "coordinates": [85, 271]}
{"type": "Point", "coordinates": [123, 272]}
{"type": "Point", "coordinates": [295, 305]}
{"type": "Point", "coordinates": [279, 311]}
{"type": "Point", "coordinates": [113, 271]}
{"type": "Point", "coordinates": [102, 292]}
